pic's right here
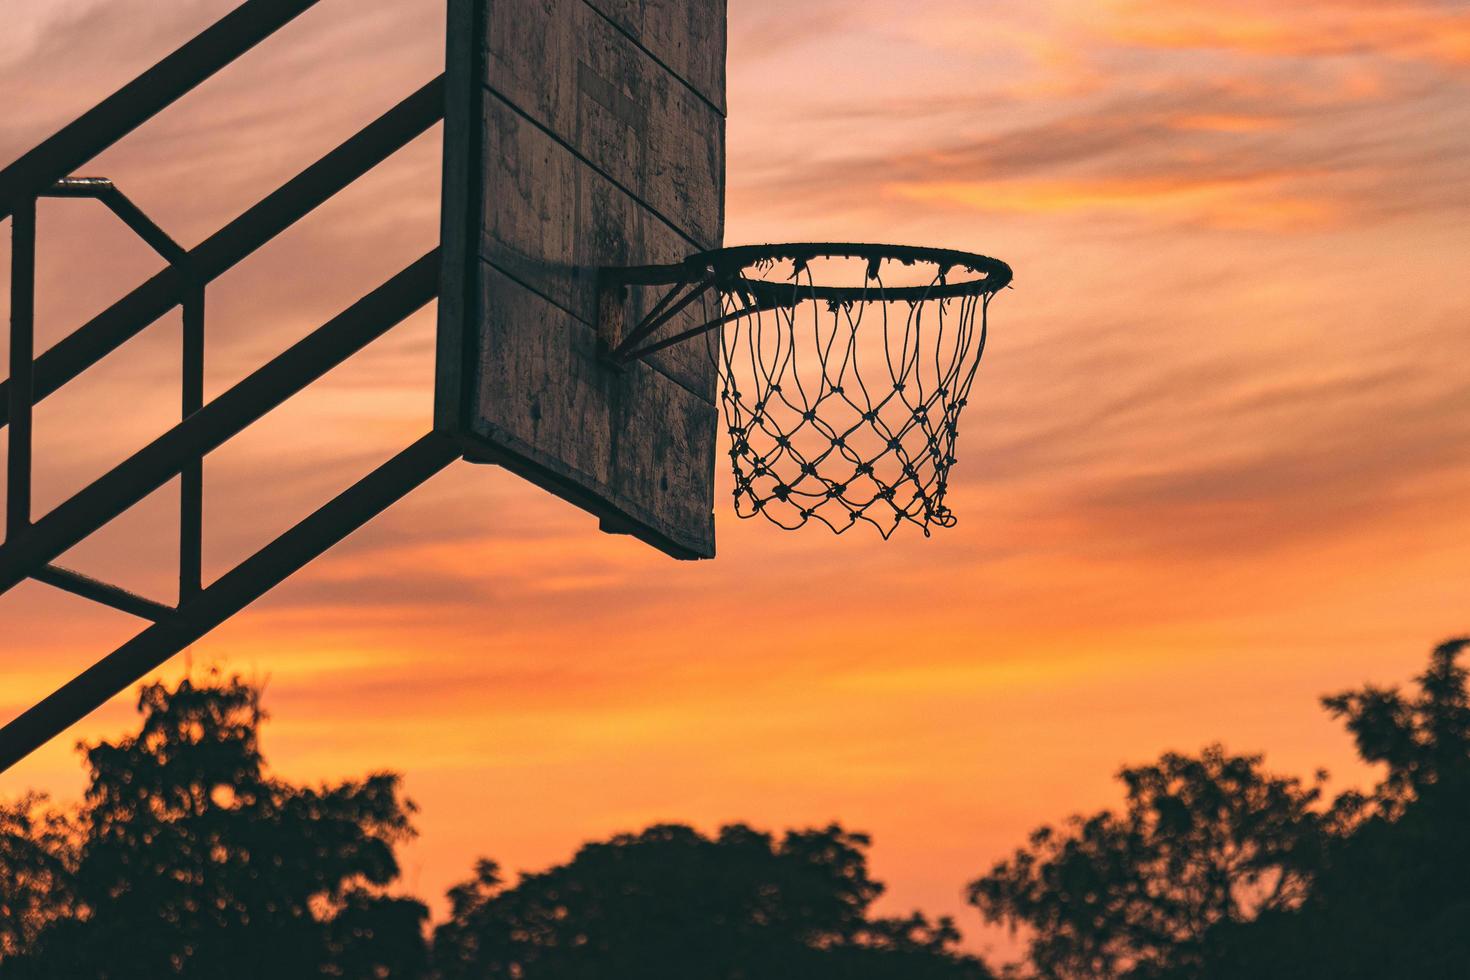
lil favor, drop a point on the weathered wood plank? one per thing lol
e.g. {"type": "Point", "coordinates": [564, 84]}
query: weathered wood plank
{"type": "Point", "coordinates": [633, 440]}
{"type": "Point", "coordinates": [536, 184]}
{"type": "Point", "coordinates": [663, 450]}
{"type": "Point", "coordinates": [687, 35]}
{"type": "Point", "coordinates": [576, 75]}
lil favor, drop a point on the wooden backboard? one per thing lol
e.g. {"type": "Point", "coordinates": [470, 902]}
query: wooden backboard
{"type": "Point", "coordinates": [581, 134]}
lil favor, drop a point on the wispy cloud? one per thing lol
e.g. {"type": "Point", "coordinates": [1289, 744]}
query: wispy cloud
{"type": "Point", "coordinates": [1434, 32]}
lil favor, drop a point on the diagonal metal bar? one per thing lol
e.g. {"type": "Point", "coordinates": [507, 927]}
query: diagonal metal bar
{"type": "Point", "coordinates": [103, 592]}
{"type": "Point", "coordinates": [144, 97]}
{"type": "Point", "coordinates": [214, 256]}
{"type": "Point", "coordinates": [658, 317]}
{"type": "Point", "coordinates": [638, 332]}
{"type": "Point", "coordinates": [102, 189]}
{"type": "Point", "coordinates": [693, 332]}
{"type": "Point", "coordinates": [165, 457]}
{"type": "Point", "coordinates": [143, 226]}
{"type": "Point", "coordinates": [235, 590]}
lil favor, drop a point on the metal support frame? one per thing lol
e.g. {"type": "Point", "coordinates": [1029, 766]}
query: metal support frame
{"type": "Point", "coordinates": [634, 345]}
{"type": "Point", "coordinates": [235, 590]}
{"type": "Point", "coordinates": [723, 270]}
{"type": "Point", "coordinates": [102, 189]}
{"type": "Point", "coordinates": [688, 282]}
{"type": "Point", "coordinates": [165, 457]}
{"type": "Point", "coordinates": [32, 544]}
{"type": "Point", "coordinates": [238, 239]}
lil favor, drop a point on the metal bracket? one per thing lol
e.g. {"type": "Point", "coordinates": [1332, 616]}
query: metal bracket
{"type": "Point", "coordinates": [688, 282]}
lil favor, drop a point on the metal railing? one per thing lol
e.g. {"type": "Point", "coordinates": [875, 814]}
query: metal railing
{"type": "Point", "coordinates": [33, 543]}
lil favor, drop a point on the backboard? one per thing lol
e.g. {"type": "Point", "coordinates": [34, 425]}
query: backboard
{"type": "Point", "coordinates": [581, 134]}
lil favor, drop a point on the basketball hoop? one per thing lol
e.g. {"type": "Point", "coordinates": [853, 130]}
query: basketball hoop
{"type": "Point", "coordinates": [843, 371]}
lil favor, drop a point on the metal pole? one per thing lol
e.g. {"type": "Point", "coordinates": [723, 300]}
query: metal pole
{"type": "Point", "coordinates": [191, 477]}
{"type": "Point", "coordinates": [22, 365]}
{"type": "Point", "coordinates": [235, 590]}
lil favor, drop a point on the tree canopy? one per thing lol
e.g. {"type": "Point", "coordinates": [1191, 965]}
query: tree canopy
{"type": "Point", "coordinates": [1201, 841]}
{"type": "Point", "coordinates": [1217, 868]}
{"type": "Point", "coordinates": [670, 902]}
{"type": "Point", "coordinates": [1392, 898]}
{"type": "Point", "coordinates": [187, 858]}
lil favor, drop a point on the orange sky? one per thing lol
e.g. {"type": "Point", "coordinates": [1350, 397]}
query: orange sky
{"type": "Point", "coordinates": [1215, 463]}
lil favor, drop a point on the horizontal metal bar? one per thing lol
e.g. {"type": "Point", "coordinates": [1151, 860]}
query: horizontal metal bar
{"type": "Point", "coordinates": [142, 98]}
{"type": "Point", "coordinates": [103, 592]}
{"type": "Point", "coordinates": [217, 254]}
{"type": "Point", "coordinates": [73, 187]}
{"type": "Point", "coordinates": [165, 457]}
{"type": "Point", "coordinates": [232, 592]}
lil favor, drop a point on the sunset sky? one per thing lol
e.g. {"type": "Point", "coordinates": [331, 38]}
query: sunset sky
{"type": "Point", "coordinates": [1216, 462]}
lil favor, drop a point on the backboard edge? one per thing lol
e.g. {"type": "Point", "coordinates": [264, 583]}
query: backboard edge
{"type": "Point", "coordinates": [506, 451]}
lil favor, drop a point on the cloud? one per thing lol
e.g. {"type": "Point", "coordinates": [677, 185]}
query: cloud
{"type": "Point", "coordinates": [1260, 202]}
{"type": "Point", "coordinates": [1266, 460]}
{"type": "Point", "coordinates": [1212, 153]}
{"type": "Point", "coordinates": [1364, 125]}
{"type": "Point", "coordinates": [1222, 122]}
{"type": "Point", "coordinates": [763, 29]}
{"type": "Point", "coordinates": [1438, 33]}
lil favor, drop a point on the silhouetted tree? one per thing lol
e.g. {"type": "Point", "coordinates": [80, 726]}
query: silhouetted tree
{"type": "Point", "coordinates": [1423, 740]}
{"type": "Point", "coordinates": [37, 864]}
{"type": "Point", "coordinates": [1393, 896]}
{"type": "Point", "coordinates": [672, 903]}
{"type": "Point", "coordinates": [1201, 841]}
{"type": "Point", "coordinates": [1216, 870]}
{"type": "Point", "coordinates": [190, 860]}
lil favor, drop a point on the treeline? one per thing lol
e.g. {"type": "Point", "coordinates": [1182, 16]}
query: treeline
{"type": "Point", "coordinates": [187, 858]}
